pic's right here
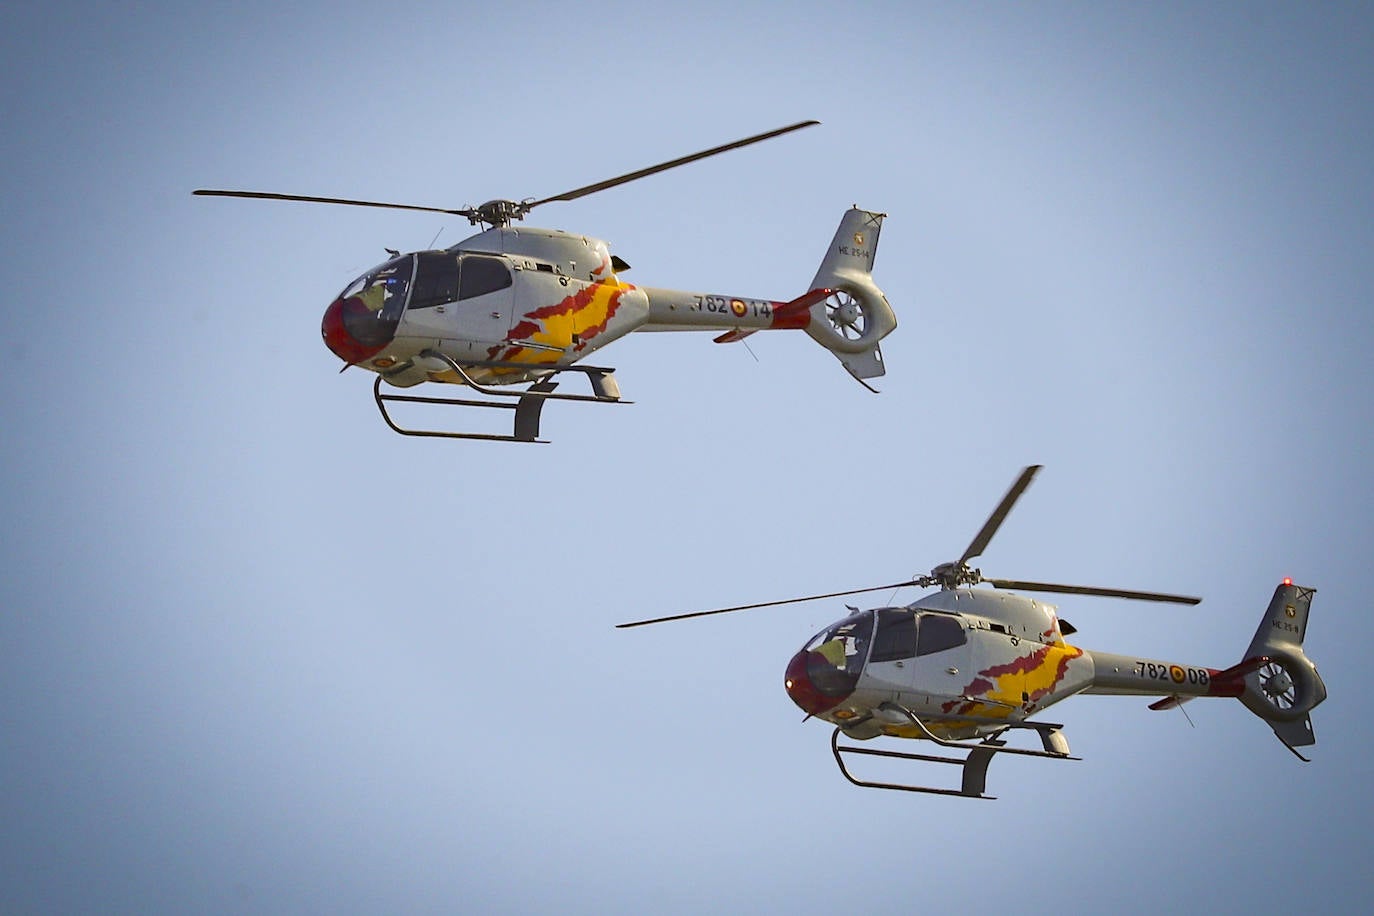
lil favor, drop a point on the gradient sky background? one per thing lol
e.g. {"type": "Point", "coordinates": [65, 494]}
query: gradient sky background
{"type": "Point", "coordinates": [260, 654]}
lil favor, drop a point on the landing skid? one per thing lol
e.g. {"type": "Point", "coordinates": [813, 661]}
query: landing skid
{"type": "Point", "coordinates": [974, 764]}
{"type": "Point", "coordinates": [528, 404]}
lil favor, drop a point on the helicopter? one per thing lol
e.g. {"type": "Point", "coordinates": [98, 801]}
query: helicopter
{"type": "Point", "coordinates": [965, 666]}
{"type": "Point", "coordinates": [516, 305]}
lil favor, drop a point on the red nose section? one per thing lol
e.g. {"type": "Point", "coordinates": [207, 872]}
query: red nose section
{"type": "Point", "coordinates": [801, 689]}
{"type": "Point", "coordinates": [338, 318]}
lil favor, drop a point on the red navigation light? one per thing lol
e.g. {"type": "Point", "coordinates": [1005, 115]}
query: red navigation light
{"type": "Point", "coordinates": [1287, 581]}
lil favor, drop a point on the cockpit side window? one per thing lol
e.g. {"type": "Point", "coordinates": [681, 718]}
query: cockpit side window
{"type": "Point", "coordinates": [938, 633]}
{"type": "Point", "coordinates": [896, 636]}
{"type": "Point", "coordinates": [482, 275]}
{"type": "Point", "coordinates": [436, 280]}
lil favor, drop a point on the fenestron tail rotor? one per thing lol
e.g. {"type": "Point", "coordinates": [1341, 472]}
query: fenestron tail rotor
{"type": "Point", "coordinates": [502, 212]}
{"type": "Point", "coordinates": [959, 574]}
{"type": "Point", "coordinates": [846, 315]}
{"type": "Point", "coordinates": [1277, 686]}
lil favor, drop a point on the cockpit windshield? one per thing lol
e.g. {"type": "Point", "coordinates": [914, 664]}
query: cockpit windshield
{"type": "Point", "coordinates": [373, 303]}
{"type": "Point", "coordinates": [836, 655]}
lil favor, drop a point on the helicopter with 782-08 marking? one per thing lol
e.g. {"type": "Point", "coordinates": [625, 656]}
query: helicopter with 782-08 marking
{"type": "Point", "coordinates": [517, 305]}
{"type": "Point", "coordinates": [965, 667]}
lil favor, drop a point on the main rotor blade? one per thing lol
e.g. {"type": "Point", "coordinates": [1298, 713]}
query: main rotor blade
{"type": "Point", "coordinates": [999, 515]}
{"type": "Point", "coordinates": [265, 195]}
{"type": "Point", "coordinates": [664, 166]}
{"type": "Point", "coordinates": [1090, 590]}
{"type": "Point", "coordinates": [746, 607]}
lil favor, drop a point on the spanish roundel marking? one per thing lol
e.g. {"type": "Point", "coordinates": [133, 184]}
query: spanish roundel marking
{"type": "Point", "coordinates": [738, 308]}
{"type": "Point", "coordinates": [1177, 674]}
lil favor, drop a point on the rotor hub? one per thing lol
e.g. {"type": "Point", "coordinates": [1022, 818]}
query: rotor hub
{"type": "Point", "coordinates": [497, 213]}
{"type": "Point", "coordinates": [846, 315]}
{"type": "Point", "coordinates": [951, 575]}
{"type": "Point", "coordinates": [1278, 684]}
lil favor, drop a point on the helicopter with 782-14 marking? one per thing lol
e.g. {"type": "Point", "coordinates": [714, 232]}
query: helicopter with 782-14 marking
{"type": "Point", "coordinates": [517, 305]}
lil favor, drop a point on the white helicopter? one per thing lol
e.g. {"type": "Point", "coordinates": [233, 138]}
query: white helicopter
{"type": "Point", "coordinates": [964, 666]}
{"type": "Point", "coordinates": [518, 305]}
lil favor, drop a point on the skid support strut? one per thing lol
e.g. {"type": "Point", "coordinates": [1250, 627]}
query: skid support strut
{"type": "Point", "coordinates": [974, 763]}
{"type": "Point", "coordinates": [528, 403]}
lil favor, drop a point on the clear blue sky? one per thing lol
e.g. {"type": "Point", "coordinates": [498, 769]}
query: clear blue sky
{"type": "Point", "coordinates": [259, 654]}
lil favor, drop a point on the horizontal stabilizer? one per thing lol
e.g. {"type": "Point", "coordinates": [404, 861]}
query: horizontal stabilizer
{"type": "Point", "coordinates": [1231, 682]}
{"type": "Point", "coordinates": [798, 311]}
{"type": "Point", "coordinates": [1169, 703]}
{"type": "Point", "coordinates": [734, 335]}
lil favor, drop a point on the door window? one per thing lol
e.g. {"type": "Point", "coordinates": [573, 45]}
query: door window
{"type": "Point", "coordinates": [939, 633]}
{"type": "Point", "coordinates": [896, 636]}
{"type": "Point", "coordinates": [436, 280]}
{"type": "Point", "coordinates": [482, 275]}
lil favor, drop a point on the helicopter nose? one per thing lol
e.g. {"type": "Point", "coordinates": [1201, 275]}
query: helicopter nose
{"type": "Point", "coordinates": [349, 331]}
{"type": "Point", "coordinates": [803, 691]}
